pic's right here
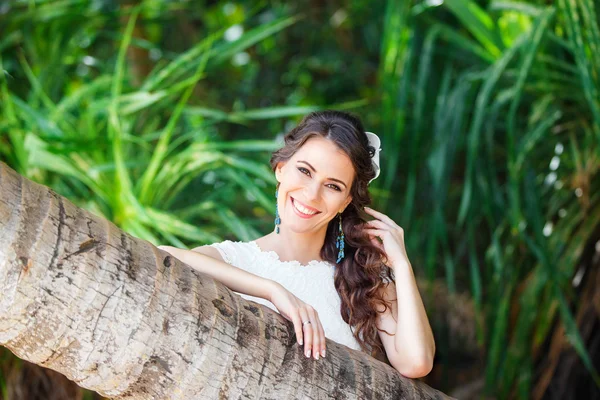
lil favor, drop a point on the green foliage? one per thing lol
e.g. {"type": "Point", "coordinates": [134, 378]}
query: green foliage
{"type": "Point", "coordinates": [129, 152]}
{"type": "Point", "coordinates": [510, 88]}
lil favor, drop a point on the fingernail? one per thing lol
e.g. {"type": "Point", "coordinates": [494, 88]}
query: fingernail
{"type": "Point", "coordinates": [317, 355]}
{"type": "Point", "coordinates": [323, 353]}
{"type": "Point", "coordinates": [308, 354]}
{"type": "Point", "coordinates": [300, 342]}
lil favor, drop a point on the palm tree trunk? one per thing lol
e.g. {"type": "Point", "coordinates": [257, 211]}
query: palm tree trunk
{"type": "Point", "coordinates": [120, 317]}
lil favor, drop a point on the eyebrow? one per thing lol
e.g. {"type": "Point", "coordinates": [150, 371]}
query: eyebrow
{"type": "Point", "coordinates": [314, 170]}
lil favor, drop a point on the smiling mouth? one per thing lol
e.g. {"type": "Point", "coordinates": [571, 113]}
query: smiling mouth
{"type": "Point", "coordinates": [305, 211]}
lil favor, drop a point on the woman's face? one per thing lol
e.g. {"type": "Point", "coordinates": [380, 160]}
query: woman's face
{"type": "Point", "coordinates": [314, 185]}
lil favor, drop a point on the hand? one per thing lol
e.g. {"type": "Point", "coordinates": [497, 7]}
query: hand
{"type": "Point", "coordinates": [295, 310]}
{"type": "Point", "coordinates": [391, 235]}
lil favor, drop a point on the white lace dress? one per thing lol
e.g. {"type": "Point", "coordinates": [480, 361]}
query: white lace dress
{"type": "Point", "coordinates": [311, 283]}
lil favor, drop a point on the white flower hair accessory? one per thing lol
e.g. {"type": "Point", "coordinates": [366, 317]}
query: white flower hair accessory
{"type": "Point", "coordinates": [374, 149]}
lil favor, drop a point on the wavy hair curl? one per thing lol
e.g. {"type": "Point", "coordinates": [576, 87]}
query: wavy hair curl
{"type": "Point", "coordinates": [361, 276]}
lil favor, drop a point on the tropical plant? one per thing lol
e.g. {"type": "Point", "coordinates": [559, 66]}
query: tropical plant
{"type": "Point", "coordinates": [517, 100]}
{"type": "Point", "coordinates": [129, 152]}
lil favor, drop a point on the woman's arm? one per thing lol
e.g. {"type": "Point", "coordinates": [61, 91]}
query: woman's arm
{"type": "Point", "coordinates": [291, 307]}
{"type": "Point", "coordinates": [411, 347]}
{"type": "Point", "coordinates": [234, 278]}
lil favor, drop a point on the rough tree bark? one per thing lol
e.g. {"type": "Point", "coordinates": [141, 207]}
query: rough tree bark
{"type": "Point", "coordinates": [120, 317]}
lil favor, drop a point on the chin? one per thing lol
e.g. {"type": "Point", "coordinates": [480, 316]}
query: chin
{"type": "Point", "coordinates": [305, 228]}
{"type": "Point", "coordinates": [298, 229]}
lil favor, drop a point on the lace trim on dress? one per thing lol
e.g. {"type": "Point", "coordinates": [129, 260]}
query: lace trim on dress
{"type": "Point", "coordinates": [273, 255]}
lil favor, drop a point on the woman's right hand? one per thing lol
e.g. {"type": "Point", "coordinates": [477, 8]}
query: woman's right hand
{"type": "Point", "coordinates": [297, 311]}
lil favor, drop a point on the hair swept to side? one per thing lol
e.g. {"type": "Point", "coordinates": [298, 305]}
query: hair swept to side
{"type": "Point", "coordinates": [361, 276]}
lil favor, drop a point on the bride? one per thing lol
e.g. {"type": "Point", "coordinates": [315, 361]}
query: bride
{"type": "Point", "coordinates": [325, 267]}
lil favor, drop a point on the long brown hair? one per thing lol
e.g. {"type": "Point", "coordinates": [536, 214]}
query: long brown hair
{"type": "Point", "coordinates": [361, 275]}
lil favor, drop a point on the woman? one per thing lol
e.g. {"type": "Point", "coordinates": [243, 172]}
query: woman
{"type": "Point", "coordinates": [324, 267]}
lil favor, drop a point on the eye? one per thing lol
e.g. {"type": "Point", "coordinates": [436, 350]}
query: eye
{"type": "Point", "coordinates": [335, 187]}
{"type": "Point", "coordinates": [304, 171]}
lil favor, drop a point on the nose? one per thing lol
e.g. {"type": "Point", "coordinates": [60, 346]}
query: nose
{"type": "Point", "coordinates": [313, 191]}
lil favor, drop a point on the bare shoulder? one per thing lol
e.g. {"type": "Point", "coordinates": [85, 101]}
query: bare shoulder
{"type": "Point", "coordinates": [209, 251]}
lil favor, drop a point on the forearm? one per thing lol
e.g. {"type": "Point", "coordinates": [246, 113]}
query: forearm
{"type": "Point", "coordinates": [234, 278]}
{"type": "Point", "coordinates": [414, 336]}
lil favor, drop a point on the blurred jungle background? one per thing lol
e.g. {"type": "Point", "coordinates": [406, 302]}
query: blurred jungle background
{"type": "Point", "coordinates": [161, 115]}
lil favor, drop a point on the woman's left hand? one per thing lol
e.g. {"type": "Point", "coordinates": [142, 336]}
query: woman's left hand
{"type": "Point", "coordinates": [392, 237]}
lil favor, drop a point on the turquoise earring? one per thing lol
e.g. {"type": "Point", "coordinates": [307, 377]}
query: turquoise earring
{"type": "Point", "coordinates": [277, 219]}
{"type": "Point", "coordinates": [339, 244]}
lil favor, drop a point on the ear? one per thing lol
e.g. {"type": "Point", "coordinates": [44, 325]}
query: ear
{"type": "Point", "coordinates": [348, 201]}
{"type": "Point", "coordinates": [279, 170]}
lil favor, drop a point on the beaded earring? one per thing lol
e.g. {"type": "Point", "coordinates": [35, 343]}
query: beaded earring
{"type": "Point", "coordinates": [339, 244]}
{"type": "Point", "coordinates": [277, 219]}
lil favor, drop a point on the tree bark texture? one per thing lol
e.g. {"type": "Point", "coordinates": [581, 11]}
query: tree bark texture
{"type": "Point", "coordinates": [120, 317]}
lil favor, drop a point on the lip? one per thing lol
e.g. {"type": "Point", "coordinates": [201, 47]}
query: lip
{"type": "Point", "coordinates": [298, 213]}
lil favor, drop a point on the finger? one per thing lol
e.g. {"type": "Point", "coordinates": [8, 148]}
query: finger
{"type": "Point", "coordinates": [381, 216]}
{"type": "Point", "coordinates": [378, 224]}
{"type": "Point", "coordinates": [323, 338]}
{"type": "Point", "coordinates": [377, 244]}
{"type": "Point", "coordinates": [308, 332]}
{"type": "Point", "coordinates": [298, 328]}
{"type": "Point", "coordinates": [320, 340]}
{"type": "Point", "coordinates": [317, 340]}
{"type": "Point", "coordinates": [377, 232]}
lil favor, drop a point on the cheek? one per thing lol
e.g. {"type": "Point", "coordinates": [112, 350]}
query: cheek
{"type": "Point", "coordinates": [334, 202]}
{"type": "Point", "coordinates": [294, 180]}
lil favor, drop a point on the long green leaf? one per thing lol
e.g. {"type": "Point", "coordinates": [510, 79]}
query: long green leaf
{"type": "Point", "coordinates": [123, 182]}
{"type": "Point", "coordinates": [162, 147]}
{"type": "Point", "coordinates": [478, 22]}
{"type": "Point", "coordinates": [483, 98]}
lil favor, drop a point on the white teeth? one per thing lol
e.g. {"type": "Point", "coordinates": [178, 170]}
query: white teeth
{"type": "Point", "coordinates": [302, 209]}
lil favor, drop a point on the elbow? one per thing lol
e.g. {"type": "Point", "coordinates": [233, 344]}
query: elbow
{"type": "Point", "coordinates": [416, 368]}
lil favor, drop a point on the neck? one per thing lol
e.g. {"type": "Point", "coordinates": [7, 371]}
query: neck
{"type": "Point", "coordinates": [293, 246]}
